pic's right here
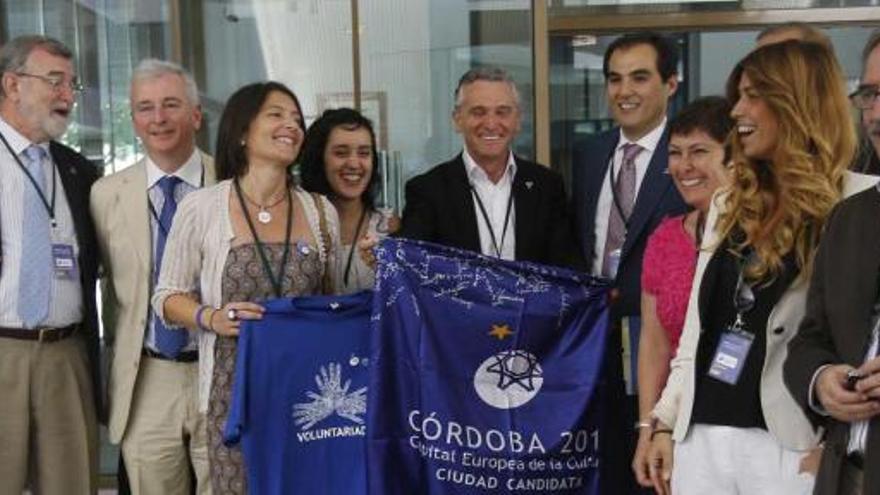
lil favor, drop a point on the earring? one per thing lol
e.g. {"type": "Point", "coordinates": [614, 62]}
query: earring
{"type": "Point", "coordinates": [242, 143]}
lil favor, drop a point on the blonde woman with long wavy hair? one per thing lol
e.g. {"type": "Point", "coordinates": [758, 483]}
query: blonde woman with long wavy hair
{"type": "Point", "coordinates": [736, 428]}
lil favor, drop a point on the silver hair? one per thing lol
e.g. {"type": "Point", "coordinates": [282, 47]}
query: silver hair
{"type": "Point", "coordinates": [151, 68]}
{"type": "Point", "coordinates": [485, 73]}
{"type": "Point", "coordinates": [14, 54]}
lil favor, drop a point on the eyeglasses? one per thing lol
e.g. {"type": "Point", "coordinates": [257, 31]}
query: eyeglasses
{"type": "Point", "coordinates": [57, 82]}
{"type": "Point", "coordinates": [864, 97]}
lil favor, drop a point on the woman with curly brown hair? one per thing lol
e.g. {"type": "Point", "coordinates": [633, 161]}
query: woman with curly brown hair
{"type": "Point", "coordinates": [737, 428]}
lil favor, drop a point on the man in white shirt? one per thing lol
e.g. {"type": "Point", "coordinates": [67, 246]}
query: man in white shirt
{"type": "Point", "coordinates": [153, 386]}
{"type": "Point", "coordinates": [620, 193]}
{"type": "Point", "coordinates": [48, 264]}
{"type": "Point", "coordinates": [487, 199]}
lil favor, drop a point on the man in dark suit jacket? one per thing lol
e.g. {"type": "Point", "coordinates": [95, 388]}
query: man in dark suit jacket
{"type": "Point", "coordinates": [486, 199]}
{"type": "Point", "coordinates": [640, 77]}
{"type": "Point", "coordinates": [48, 321]}
{"type": "Point", "coordinates": [838, 335]}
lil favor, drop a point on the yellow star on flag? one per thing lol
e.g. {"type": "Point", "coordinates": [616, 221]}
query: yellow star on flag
{"type": "Point", "coordinates": [500, 331]}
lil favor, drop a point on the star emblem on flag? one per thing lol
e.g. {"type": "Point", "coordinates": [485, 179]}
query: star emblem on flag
{"type": "Point", "coordinates": [501, 331]}
{"type": "Point", "coordinates": [516, 367]}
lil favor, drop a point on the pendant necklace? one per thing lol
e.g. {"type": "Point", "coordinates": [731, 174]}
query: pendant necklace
{"type": "Point", "coordinates": [263, 214]}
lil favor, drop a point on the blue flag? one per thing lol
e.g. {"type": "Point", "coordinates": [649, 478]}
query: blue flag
{"type": "Point", "coordinates": [300, 395]}
{"type": "Point", "coordinates": [485, 375]}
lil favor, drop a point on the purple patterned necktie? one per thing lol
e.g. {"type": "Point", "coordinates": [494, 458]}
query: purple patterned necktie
{"type": "Point", "coordinates": [622, 202]}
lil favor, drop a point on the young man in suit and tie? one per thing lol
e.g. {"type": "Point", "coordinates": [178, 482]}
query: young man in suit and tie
{"type": "Point", "coordinates": [620, 192]}
{"type": "Point", "coordinates": [153, 388]}
{"type": "Point", "coordinates": [833, 368]}
{"type": "Point", "coordinates": [48, 321]}
{"type": "Point", "coordinates": [486, 199]}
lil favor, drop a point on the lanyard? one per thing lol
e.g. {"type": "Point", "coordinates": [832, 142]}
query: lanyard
{"type": "Point", "coordinates": [357, 232]}
{"type": "Point", "coordinates": [50, 206]}
{"type": "Point", "coordinates": [153, 207]}
{"type": "Point", "coordinates": [743, 295]}
{"type": "Point", "coordinates": [489, 223]}
{"type": "Point", "coordinates": [267, 267]}
{"type": "Point", "coordinates": [614, 197]}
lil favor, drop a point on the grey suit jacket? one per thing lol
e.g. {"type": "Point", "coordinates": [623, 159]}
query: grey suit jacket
{"type": "Point", "coordinates": [837, 325]}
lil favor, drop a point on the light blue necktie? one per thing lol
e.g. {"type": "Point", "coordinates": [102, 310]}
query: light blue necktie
{"type": "Point", "coordinates": [169, 341]}
{"type": "Point", "coordinates": [35, 277]}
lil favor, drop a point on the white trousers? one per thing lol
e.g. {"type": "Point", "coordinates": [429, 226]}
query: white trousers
{"type": "Point", "coordinates": [723, 460]}
{"type": "Point", "coordinates": [166, 433]}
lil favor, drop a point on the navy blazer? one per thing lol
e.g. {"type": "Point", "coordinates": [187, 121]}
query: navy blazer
{"type": "Point", "coordinates": [440, 208]}
{"type": "Point", "coordinates": [657, 199]}
{"type": "Point", "coordinates": [77, 175]}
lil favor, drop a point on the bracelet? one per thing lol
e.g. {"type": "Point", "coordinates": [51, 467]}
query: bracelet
{"type": "Point", "coordinates": [211, 320]}
{"type": "Point", "coordinates": [643, 424]}
{"type": "Point", "coordinates": [199, 312]}
{"type": "Point", "coordinates": [657, 432]}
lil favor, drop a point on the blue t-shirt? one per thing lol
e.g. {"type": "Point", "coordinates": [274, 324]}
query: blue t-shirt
{"type": "Point", "coordinates": [485, 375]}
{"type": "Point", "coordinates": [300, 395]}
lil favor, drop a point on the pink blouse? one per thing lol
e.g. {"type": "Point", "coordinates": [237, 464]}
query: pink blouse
{"type": "Point", "coordinates": [667, 273]}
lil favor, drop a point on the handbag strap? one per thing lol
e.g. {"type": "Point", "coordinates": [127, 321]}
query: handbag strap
{"type": "Point", "coordinates": [326, 240]}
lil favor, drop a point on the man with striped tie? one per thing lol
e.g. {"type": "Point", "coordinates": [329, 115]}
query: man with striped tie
{"type": "Point", "coordinates": [48, 321]}
{"type": "Point", "coordinates": [153, 386]}
{"type": "Point", "coordinates": [620, 193]}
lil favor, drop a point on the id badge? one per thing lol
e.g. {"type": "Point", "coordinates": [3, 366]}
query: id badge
{"type": "Point", "coordinates": [730, 356]}
{"type": "Point", "coordinates": [64, 261]}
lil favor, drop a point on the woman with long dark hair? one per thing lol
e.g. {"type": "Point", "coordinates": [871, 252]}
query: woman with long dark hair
{"type": "Point", "coordinates": [340, 160]}
{"type": "Point", "coordinates": [252, 237]}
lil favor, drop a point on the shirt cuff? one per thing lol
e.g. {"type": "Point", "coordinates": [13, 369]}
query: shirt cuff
{"type": "Point", "coordinates": [813, 402]}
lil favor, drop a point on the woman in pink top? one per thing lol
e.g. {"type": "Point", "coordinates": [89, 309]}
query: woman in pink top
{"type": "Point", "coordinates": [697, 155]}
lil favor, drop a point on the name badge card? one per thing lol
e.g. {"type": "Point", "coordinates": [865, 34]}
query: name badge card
{"type": "Point", "coordinates": [64, 261]}
{"type": "Point", "coordinates": [730, 356]}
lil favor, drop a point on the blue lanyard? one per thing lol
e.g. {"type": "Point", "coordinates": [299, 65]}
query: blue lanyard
{"type": "Point", "coordinates": [153, 207]}
{"type": "Point", "coordinates": [50, 206]}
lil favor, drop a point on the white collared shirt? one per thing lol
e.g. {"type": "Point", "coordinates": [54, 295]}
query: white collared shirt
{"type": "Point", "coordinates": [65, 294]}
{"type": "Point", "coordinates": [649, 143]}
{"type": "Point", "coordinates": [495, 198]}
{"type": "Point", "coordinates": [192, 174]}
{"type": "Point", "coordinates": [858, 431]}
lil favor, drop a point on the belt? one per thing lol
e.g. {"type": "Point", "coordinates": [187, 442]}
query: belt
{"type": "Point", "coordinates": [183, 357]}
{"type": "Point", "coordinates": [42, 334]}
{"type": "Point", "coordinates": [856, 460]}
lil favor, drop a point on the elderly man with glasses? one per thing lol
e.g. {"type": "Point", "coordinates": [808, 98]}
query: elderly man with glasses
{"type": "Point", "coordinates": [833, 365]}
{"type": "Point", "coordinates": [867, 99]}
{"type": "Point", "coordinates": [48, 264]}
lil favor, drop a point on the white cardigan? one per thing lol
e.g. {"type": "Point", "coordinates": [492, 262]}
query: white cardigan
{"type": "Point", "coordinates": [785, 419]}
{"type": "Point", "coordinates": [195, 257]}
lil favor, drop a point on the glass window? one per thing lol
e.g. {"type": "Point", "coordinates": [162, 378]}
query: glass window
{"type": "Point", "coordinates": [412, 55]}
{"type": "Point", "coordinates": [577, 86]}
{"type": "Point", "coordinates": [564, 8]}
